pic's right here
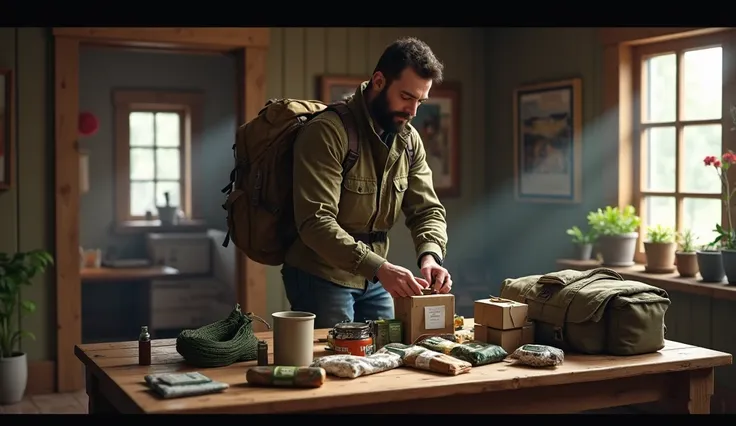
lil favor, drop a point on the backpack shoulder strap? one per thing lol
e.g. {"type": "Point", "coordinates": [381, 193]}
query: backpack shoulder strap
{"type": "Point", "coordinates": [348, 120]}
{"type": "Point", "coordinates": [410, 152]}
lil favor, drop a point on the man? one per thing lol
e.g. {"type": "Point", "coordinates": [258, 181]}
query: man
{"type": "Point", "coordinates": [337, 268]}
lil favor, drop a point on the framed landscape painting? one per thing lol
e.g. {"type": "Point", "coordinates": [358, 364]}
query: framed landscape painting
{"type": "Point", "coordinates": [335, 88]}
{"type": "Point", "coordinates": [548, 142]}
{"type": "Point", "coordinates": [438, 123]}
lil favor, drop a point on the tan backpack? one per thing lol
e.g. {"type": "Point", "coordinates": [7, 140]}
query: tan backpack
{"type": "Point", "coordinates": [260, 208]}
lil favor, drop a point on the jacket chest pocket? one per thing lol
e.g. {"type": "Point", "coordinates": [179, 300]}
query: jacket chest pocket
{"type": "Point", "coordinates": [398, 188]}
{"type": "Point", "coordinates": [357, 202]}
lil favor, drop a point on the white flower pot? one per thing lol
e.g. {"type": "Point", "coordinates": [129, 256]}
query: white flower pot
{"type": "Point", "coordinates": [13, 378]}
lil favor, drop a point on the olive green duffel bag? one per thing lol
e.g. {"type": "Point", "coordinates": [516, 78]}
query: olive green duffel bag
{"type": "Point", "coordinates": [592, 312]}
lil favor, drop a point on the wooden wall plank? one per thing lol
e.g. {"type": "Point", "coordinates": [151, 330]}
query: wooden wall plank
{"type": "Point", "coordinates": [337, 51]}
{"type": "Point", "coordinates": [68, 283]}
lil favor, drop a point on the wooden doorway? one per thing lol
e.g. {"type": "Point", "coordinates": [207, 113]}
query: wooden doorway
{"type": "Point", "coordinates": [250, 45]}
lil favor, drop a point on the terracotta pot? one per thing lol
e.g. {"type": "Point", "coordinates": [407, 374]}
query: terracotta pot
{"type": "Point", "coordinates": [687, 264]}
{"type": "Point", "coordinates": [660, 257]}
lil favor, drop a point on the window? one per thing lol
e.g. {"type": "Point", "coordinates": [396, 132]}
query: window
{"type": "Point", "coordinates": [679, 123]}
{"type": "Point", "coordinates": [153, 151]}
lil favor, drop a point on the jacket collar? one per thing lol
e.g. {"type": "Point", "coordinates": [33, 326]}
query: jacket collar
{"type": "Point", "coordinates": [357, 103]}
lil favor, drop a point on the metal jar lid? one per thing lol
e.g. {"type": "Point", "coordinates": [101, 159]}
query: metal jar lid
{"type": "Point", "coordinates": [352, 330]}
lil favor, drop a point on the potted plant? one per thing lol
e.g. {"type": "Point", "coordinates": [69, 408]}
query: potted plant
{"type": "Point", "coordinates": [617, 231]}
{"type": "Point", "coordinates": [660, 249]}
{"type": "Point", "coordinates": [685, 258]}
{"type": "Point", "coordinates": [16, 270]}
{"type": "Point", "coordinates": [583, 242]}
{"type": "Point", "coordinates": [726, 238]}
{"type": "Point", "coordinates": [710, 263]}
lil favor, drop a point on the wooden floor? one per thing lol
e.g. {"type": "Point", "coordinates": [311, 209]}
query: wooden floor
{"type": "Point", "coordinates": [55, 403]}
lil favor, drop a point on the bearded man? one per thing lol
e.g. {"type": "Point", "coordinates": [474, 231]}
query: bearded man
{"type": "Point", "coordinates": [337, 267]}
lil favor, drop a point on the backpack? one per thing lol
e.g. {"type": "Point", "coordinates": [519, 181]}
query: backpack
{"type": "Point", "coordinates": [259, 204]}
{"type": "Point", "coordinates": [592, 312]}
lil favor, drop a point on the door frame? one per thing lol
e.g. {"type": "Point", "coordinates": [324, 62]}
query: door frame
{"type": "Point", "coordinates": [249, 44]}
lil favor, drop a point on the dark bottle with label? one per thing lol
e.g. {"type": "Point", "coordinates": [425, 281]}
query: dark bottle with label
{"type": "Point", "coordinates": [144, 347]}
{"type": "Point", "coordinates": [262, 352]}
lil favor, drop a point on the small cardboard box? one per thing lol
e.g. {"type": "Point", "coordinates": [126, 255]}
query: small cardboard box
{"type": "Point", "coordinates": [425, 314]}
{"type": "Point", "coordinates": [509, 340]}
{"type": "Point", "coordinates": [501, 314]}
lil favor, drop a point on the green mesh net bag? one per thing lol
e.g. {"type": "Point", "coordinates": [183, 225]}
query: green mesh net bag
{"type": "Point", "coordinates": [221, 343]}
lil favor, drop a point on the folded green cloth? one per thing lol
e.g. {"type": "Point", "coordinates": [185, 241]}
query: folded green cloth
{"type": "Point", "coordinates": [177, 385]}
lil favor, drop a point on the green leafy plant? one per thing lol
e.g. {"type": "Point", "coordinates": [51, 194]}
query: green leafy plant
{"type": "Point", "coordinates": [614, 221]}
{"type": "Point", "coordinates": [711, 246]}
{"type": "Point", "coordinates": [580, 237]}
{"type": "Point", "coordinates": [660, 234]}
{"type": "Point", "coordinates": [17, 270]}
{"type": "Point", "coordinates": [686, 241]}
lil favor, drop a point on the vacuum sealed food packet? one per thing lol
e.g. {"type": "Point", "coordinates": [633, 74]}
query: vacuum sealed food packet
{"type": "Point", "coordinates": [476, 353]}
{"type": "Point", "coordinates": [286, 376]}
{"type": "Point", "coordinates": [425, 359]}
{"type": "Point", "coordinates": [352, 366]}
{"type": "Point", "coordinates": [538, 356]}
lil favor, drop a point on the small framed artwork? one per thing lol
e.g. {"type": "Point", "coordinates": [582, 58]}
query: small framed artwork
{"type": "Point", "coordinates": [7, 121]}
{"type": "Point", "coordinates": [548, 142]}
{"type": "Point", "coordinates": [335, 88]}
{"type": "Point", "coordinates": [438, 124]}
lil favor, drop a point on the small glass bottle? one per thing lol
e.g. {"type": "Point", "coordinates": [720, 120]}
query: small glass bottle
{"type": "Point", "coordinates": [144, 347]}
{"type": "Point", "coordinates": [262, 352]}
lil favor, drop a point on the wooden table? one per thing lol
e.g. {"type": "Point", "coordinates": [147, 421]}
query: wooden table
{"type": "Point", "coordinates": [106, 274]}
{"type": "Point", "coordinates": [680, 375]}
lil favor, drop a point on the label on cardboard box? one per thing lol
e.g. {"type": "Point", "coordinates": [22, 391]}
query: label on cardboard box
{"type": "Point", "coordinates": [434, 317]}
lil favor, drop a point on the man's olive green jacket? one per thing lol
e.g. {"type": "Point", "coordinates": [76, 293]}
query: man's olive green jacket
{"type": "Point", "coordinates": [328, 209]}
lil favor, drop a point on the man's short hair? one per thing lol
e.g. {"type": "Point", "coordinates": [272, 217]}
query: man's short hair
{"type": "Point", "coordinates": [409, 52]}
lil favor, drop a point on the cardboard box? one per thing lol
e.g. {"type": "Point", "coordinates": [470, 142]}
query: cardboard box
{"type": "Point", "coordinates": [501, 314]}
{"type": "Point", "coordinates": [425, 314]}
{"type": "Point", "coordinates": [509, 340]}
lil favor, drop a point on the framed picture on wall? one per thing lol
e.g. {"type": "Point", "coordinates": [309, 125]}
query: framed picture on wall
{"type": "Point", "coordinates": [335, 88]}
{"type": "Point", "coordinates": [7, 122]}
{"type": "Point", "coordinates": [548, 142]}
{"type": "Point", "coordinates": [438, 123]}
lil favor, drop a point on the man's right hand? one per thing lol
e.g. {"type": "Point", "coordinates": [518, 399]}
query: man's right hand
{"type": "Point", "coordinates": [399, 281]}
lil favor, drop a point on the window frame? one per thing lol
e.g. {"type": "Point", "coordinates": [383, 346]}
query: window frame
{"type": "Point", "coordinates": [639, 54]}
{"type": "Point", "coordinates": [189, 107]}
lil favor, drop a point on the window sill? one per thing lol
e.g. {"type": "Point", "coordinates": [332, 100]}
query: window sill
{"type": "Point", "coordinates": [145, 226]}
{"type": "Point", "coordinates": [669, 282]}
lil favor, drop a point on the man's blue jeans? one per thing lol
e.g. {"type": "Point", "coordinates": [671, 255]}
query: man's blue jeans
{"type": "Point", "coordinates": [332, 303]}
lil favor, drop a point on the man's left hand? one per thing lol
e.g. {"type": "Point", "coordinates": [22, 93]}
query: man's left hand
{"type": "Point", "coordinates": [437, 276]}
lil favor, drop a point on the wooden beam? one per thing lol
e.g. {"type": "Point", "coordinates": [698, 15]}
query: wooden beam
{"type": "Point", "coordinates": [68, 283]}
{"type": "Point", "coordinates": [252, 285]}
{"type": "Point", "coordinates": [214, 38]}
{"type": "Point", "coordinates": [610, 36]}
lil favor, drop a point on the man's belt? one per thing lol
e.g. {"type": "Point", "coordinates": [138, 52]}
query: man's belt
{"type": "Point", "coordinates": [370, 238]}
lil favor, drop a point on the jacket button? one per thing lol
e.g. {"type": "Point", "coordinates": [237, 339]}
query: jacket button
{"type": "Point", "coordinates": [360, 189]}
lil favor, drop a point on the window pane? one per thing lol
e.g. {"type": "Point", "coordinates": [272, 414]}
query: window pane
{"type": "Point", "coordinates": [141, 198]}
{"type": "Point", "coordinates": [702, 84]}
{"type": "Point", "coordinates": [167, 129]}
{"type": "Point", "coordinates": [659, 211]}
{"type": "Point", "coordinates": [701, 216]}
{"type": "Point", "coordinates": [167, 163]}
{"type": "Point", "coordinates": [699, 142]}
{"type": "Point", "coordinates": [141, 164]}
{"type": "Point", "coordinates": [659, 153]}
{"type": "Point", "coordinates": [141, 128]}
{"type": "Point", "coordinates": [660, 80]}
{"type": "Point", "coordinates": [173, 188]}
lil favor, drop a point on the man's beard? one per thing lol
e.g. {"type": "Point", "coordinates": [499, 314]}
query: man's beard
{"type": "Point", "coordinates": [386, 118]}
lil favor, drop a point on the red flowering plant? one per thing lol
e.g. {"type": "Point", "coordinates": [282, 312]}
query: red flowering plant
{"type": "Point", "coordinates": [726, 237]}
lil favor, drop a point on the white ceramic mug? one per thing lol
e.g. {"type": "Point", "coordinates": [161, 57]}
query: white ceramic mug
{"type": "Point", "coordinates": [293, 338]}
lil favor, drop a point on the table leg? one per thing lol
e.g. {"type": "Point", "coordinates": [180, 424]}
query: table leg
{"type": "Point", "coordinates": [695, 389]}
{"type": "Point", "coordinates": [98, 403]}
